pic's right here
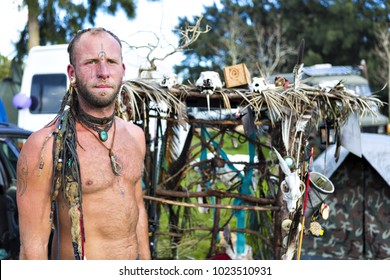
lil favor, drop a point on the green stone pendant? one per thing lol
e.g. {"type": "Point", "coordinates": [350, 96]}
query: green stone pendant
{"type": "Point", "coordinates": [103, 135]}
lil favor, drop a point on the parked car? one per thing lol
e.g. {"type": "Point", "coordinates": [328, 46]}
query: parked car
{"type": "Point", "coordinates": [352, 79]}
{"type": "Point", "coordinates": [12, 138]}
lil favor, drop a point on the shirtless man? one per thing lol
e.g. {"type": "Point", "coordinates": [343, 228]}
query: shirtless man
{"type": "Point", "coordinates": [96, 208]}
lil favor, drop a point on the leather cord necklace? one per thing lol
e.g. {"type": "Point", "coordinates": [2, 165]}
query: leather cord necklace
{"type": "Point", "coordinates": [100, 125]}
{"type": "Point", "coordinates": [116, 166]}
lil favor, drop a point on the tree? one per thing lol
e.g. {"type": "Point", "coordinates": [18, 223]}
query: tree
{"type": "Point", "coordinates": [10, 82]}
{"type": "Point", "coordinates": [383, 51]}
{"type": "Point", "coordinates": [32, 23]}
{"type": "Point", "coordinates": [241, 32]}
{"type": "Point", "coordinates": [4, 67]}
{"type": "Point", "coordinates": [55, 21]}
{"type": "Point", "coordinates": [248, 31]}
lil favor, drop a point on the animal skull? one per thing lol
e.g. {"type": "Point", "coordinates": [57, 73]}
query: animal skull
{"type": "Point", "coordinates": [209, 81]}
{"type": "Point", "coordinates": [292, 186]}
{"type": "Point", "coordinates": [169, 80]}
{"type": "Point", "coordinates": [258, 84]}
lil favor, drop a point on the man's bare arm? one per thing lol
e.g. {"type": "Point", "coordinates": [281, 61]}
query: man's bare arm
{"type": "Point", "coordinates": [33, 199]}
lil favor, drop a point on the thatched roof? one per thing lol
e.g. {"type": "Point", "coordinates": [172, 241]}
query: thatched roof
{"type": "Point", "coordinates": [331, 104]}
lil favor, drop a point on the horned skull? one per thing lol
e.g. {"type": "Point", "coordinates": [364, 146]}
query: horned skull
{"type": "Point", "coordinates": [292, 186]}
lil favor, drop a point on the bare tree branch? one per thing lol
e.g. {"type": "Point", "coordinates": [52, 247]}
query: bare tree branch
{"type": "Point", "coordinates": [188, 36]}
{"type": "Point", "coordinates": [272, 49]}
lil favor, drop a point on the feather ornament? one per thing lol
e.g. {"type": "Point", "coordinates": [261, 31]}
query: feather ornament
{"type": "Point", "coordinates": [305, 117]}
{"type": "Point", "coordinates": [299, 65]}
{"type": "Point", "coordinates": [286, 129]}
{"type": "Point", "coordinates": [283, 165]}
{"type": "Point", "coordinates": [228, 236]}
{"type": "Point", "coordinates": [303, 120]}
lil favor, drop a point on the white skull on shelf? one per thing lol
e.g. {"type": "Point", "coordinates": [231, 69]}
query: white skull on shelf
{"type": "Point", "coordinates": [258, 84]}
{"type": "Point", "coordinates": [169, 80]}
{"type": "Point", "coordinates": [209, 81]}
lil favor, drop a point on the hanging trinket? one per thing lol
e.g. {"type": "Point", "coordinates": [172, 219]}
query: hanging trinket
{"type": "Point", "coordinates": [324, 211]}
{"type": "Point", "coordinates": [286, 224]}
{"type": "Point", "coordinates": [115, 165]}
{"type": "Point", "coordinates": [290, 161]}
{"type": "Point", "coordinates": [103, 135]}
{"type": "Point", "coordinates": [316, 229]}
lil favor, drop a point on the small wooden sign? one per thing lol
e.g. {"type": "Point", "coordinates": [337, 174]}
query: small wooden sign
{"type": "Point", "coordinates": [236, 75]}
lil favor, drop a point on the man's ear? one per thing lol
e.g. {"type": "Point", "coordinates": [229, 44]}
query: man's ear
{"type": "Point", "coordinates": [71, 75]}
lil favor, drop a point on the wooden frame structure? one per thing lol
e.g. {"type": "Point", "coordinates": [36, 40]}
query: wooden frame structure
{"type": "Point", "coordinates": [289, 112]}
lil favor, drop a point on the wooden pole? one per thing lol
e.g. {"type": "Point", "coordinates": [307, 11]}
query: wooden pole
{"type": "Point", "coordinates": [216, 193]}
{"type": "Point", "coordinates": [215, 231]}
{"type": "Point", "coordinates": [305, 204]}
{"type": "Point", "coordinates": [220, 206]}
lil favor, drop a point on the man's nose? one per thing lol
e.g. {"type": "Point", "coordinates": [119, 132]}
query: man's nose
{"type": "Point", "coordinates": [103, 71]}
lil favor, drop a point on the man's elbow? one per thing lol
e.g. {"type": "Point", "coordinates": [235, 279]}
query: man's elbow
{"type": "Point", "coordinates": [33, 252]}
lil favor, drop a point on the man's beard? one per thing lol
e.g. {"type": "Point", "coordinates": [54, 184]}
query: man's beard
{"type": "Point", "coordinates": [95, 100]}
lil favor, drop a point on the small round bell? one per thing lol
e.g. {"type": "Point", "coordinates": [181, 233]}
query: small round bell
{"type": "Point", "coordinates": [289, 161]}
{"type": "Point", "coordinates": [324, 211]}
{"type": "Point", "coordinates": [286, 224]}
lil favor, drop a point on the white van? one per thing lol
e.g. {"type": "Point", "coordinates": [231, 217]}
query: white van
{"type": "Point", "coordinates": [44, 84]}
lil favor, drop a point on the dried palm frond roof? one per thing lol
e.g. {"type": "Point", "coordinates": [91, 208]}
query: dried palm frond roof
{"type": "Point", "coordinates": [335, 103]}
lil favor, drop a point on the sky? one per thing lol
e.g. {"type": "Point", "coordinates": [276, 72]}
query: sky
{"type": "Point", "coordinates": [152, 19]}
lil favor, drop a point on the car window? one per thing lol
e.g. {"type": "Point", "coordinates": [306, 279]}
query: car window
{"type": "Point", "coordinates": [47, 91]}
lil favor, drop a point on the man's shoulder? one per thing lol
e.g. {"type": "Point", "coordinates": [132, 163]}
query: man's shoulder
{"type": "Point", "coordinates": [133, 132]}
{"type": "Point", "coordinates": [131, 127]}
{"type": "Point", "coordinates": [39, 136]}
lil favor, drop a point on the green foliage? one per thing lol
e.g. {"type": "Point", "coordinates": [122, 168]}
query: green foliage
{"type": "Point", "coordinates": [10, 82]}
{"type": "Point", "coordinates": [195, 227]}
{"type": "Point", "coordinates": [231, 38]}
{"type": "Point", "coordinates": [59, 19]}
{"type": "Point", "coordinates": [4, 67]}
{"type": "Point", "coordinates": [194, 244]}
{"type": "Point", "coordinates": [337, 32]}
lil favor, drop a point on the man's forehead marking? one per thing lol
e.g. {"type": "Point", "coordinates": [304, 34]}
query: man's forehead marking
{"type": "Point", "coordinates": [102, 53]}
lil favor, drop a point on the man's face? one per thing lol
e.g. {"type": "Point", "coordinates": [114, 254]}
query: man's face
{"type": "Point", "coordinates": [98, 69]}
